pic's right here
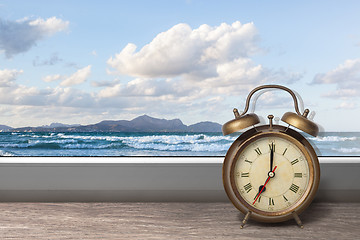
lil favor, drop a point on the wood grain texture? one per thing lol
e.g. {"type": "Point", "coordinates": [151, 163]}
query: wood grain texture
{"type": "Point", "coordinates": [168, 221]}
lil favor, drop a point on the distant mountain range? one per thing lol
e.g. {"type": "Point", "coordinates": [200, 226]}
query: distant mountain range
{"type": "Point", "coordinates": [140, 124]}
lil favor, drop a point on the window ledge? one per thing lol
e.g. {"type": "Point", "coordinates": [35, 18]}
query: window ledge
{"type": "Point", "coordinates": [146, 179]}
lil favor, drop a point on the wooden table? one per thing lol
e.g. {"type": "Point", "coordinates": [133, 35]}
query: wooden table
{"type": "Point", "coordinates": [169, 220]}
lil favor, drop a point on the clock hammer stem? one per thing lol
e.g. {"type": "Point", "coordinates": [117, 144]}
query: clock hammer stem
{"type": "Point", "coordinates": [246, 218]}
{"type": "Point", "coordinates": [297, 219]}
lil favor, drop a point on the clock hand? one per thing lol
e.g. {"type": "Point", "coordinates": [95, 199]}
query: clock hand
{"type": "Point", "coordinates": [271, 175]}
{"type": "Point", "coordinates": [271, 156]}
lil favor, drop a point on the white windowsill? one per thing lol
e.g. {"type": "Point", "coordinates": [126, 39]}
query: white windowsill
{"type": "Point", "coordinates": [166, 160]}
{"type": "Point", "coordinates": [114, 179]}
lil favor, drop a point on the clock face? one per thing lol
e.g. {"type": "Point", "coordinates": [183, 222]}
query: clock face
{"type": "Point", "coordinates": [271, 187]}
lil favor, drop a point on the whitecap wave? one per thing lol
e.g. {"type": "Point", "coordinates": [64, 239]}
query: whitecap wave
{"type": "Point", "coordinates": [197, 147]}
{"type": "Point", "coordinates": [333, 139]}
{"type": "Point", "coordinates": [166, 139]}
{"type": "Point", "coordinates": [6, 154]}
{"type": "Point", "coordinates": [346, 150]}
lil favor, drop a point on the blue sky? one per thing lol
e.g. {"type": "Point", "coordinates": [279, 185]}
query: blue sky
{"type": "Point", "coordinates": [87, 61]}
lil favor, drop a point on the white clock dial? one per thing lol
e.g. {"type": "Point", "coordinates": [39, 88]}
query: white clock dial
{"type": "Point", "coordinates": [286, 184]}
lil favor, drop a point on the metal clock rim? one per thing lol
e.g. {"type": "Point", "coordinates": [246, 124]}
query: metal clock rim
{"type": "Point", "coordinates": [244, 140]}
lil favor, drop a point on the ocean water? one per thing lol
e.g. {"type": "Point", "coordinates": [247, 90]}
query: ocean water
{"type": "Point", "coordinates": [152, 144]}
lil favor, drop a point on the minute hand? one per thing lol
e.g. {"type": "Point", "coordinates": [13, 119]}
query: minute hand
{"type": "Point", "coordinates": [271, 156]}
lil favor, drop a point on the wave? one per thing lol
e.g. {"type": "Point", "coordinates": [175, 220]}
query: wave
{"type": "Point", "coordinates": [167, 139]}
{"type": "Point", "coordinates": [181, 147]}
{"type": "Point", "coordinates": [6, 154]}
{"type": "Point", "coordinates": [346, 150]}
{"type": "Point", "coordinates": [333, 139]}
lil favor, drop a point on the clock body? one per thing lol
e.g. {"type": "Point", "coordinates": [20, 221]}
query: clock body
{"type": "Point", "coordinates": [271, 191]}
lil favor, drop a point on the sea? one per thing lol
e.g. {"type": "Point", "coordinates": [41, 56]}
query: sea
{"type": "Point", "coordinates": [152, 144]}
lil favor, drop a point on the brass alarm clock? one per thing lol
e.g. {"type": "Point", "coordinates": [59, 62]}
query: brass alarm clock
{"type": "Point", "coordinates": [271, 172]}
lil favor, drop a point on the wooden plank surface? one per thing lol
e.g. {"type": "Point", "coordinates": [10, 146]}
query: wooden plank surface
{"type": "Point", "coordinates": [168, 221]}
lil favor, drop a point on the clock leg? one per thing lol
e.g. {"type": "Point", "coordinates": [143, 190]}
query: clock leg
{"type": "Point", "coordinates": [246, 218]}
{"type": "Point", "coordinates": [297, 219]}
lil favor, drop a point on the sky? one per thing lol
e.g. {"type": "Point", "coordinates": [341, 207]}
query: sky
{"type": "Point", "coordinates": [81, 62]}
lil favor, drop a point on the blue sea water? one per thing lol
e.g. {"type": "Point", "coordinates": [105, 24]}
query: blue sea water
{"type": "Point", "coordinates": [152, 144]}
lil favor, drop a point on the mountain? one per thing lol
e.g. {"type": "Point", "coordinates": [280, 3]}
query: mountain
{"type": "Point", "coordinates": [57, 125]}
{"type": "Point", "coordinates": [4, 128]}
{"type": "Point", "coordinates": [142, 123]}
{"type": "Point", "coordinates": [205, 127]}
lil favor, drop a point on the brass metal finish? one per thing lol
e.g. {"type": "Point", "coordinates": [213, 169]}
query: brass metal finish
{"type": "Point", "coordinates": [236, 113]}
{"type": "Point", "coordinates": [246, 218]}
{"type": "Point", "coordinates": [237, 124]}
{"type": "Point", "coordinates": [301, 122]}
{"type": "Point", "coordinates": [247, 138]}
{"type": "Point", "coordinates": [271, 86]}
{"type": "Point", "coordinates": [297, 119]}
{"type": "Point", "coordinates": [297, 220]}
{"type": "Point", "coordinates": [270, 117]}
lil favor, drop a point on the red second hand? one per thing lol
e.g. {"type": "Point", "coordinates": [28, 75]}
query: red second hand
{"type": "Point", "coordinates": [267, 180]}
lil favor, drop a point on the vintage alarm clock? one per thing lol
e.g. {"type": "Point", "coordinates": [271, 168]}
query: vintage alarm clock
{"type": "Point", "coordinates": [271, 172]}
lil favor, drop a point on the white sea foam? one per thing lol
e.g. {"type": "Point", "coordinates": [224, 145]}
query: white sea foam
{"type": "Point", "coordinates": [333, 139]}
{"type": "Point", "coordinates": [347, 150]}
{"type": "Point", "coordinates": [166, 139]}
{"type": "Point", "coordinates": [5, 153]}
{"type": "Point", "coordinates": [196, 147]}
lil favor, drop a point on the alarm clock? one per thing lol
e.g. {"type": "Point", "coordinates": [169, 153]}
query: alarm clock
{"type": "Point", "coordinates": [271, 173]}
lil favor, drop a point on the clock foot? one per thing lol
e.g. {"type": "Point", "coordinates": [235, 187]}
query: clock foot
{"type": "Point", "coordinates": [297, 219]}
{"type": "Point", "coordinates": [246, 218]}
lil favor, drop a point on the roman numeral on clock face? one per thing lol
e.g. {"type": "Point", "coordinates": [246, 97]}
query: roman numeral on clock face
{"type": "Point", "coordinates": [248, 187]}
{"type": "Point", "coordinates": [298, 175]}
{"type": "Point", "coordinates": [286, 200]}
{"type": "Point", "coordinates": [284, 151]}
{"type": "Point", "coordinates": [294, 161]}
{"type": "Point", "coordinates": [271, 201]}
{"type": "Point", "coordinates": [294, 188]}
{"type": "Point", "coordinates": [272, 147]}
{"type": "Point", "coordinates": [257, 150]}
{"type": "Point", "coordinates": [245, 174]}
{"type": "Point", "coordinates": [258, 197]}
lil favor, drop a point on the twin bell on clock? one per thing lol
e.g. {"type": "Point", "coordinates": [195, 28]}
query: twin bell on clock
{"type": "Point", "coordinates": [271, 173]}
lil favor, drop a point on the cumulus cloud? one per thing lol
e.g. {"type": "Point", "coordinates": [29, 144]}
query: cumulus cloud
{"type": "Point", "coordinates": [182, 50]}
{"type": "Point", "coordinates": [13, 93]}
{"type": "Point", "coordinates": [203, 62]}
{"type": "Point", "coordinates": [19, 36]}
{"type": "Point", "coordinates": [182, 70]}
{"type": "Point", "coordinates": [347, 105]}
{"type": "Point", "coordinates": [105, 83]}
{"type": "Point", "coordinates": [8, 77]}
{"type": "Point", "coordinates": [78, 77]}
{"type": "Point", "coordinates": [346, 77]}
{"type": "Point", "coordinates": [52, 78]}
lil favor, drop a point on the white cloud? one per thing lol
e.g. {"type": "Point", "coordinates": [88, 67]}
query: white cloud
{"type": "Point", "coordinates": [347, 105]}
{"type": "Point", "coordinates": [182, 50]}
{"type": "Point", "coordinates": [52, 78]}
{"type": "Point", "coordinates": [346, 77]}
{"type": "Point", "coordinates": [78, 77]}
{"type": "Point", "coordinates": [105, 83]}
{"type": "Point", "coordinates": [7, 77]}
{"type": "Point", "coordinates": [194, 64]}
{"type": "Point", "coordinates": [342, 93]}
{"type": "Point", "coordinates": [49, 26]}
{"type": "Point", "coordinates": [14, 94]}
{"type": "Point", "coordinates": [181, 71]}
{"type": "Point", "coordinates": [19, 36]}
